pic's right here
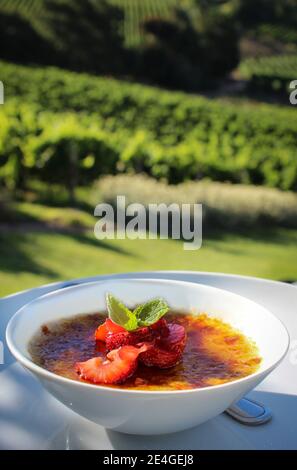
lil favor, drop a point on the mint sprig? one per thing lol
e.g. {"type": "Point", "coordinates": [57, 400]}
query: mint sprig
{"type": "Point", "coordinates": [150, 312]}
{"type": "Point", "coordinates": [120, 314]}
{"type": "Point", "coordinates": [144, 315]}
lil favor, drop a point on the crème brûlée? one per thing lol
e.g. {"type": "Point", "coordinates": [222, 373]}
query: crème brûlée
{"type": "Point", "coordinates": [204, 351]}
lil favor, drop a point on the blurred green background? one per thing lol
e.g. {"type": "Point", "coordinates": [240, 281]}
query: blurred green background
{"type": "Point", "coordinates": [160, 101]}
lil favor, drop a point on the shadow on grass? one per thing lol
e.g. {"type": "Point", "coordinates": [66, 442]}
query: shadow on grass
{"type": "Point", "coordinates": [89, 239]}
{"type": "Point", "coordinates": [9, 215]}
{"type": "Point", "coordinates": [57, 196]}
{"type": "Point", "coordinates": [259, 234]}
{"type": "Point", "coordinates": [15, 255]}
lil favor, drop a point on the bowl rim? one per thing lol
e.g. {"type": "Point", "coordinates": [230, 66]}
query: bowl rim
{"type": "Point", "coordinates": [40, 371]}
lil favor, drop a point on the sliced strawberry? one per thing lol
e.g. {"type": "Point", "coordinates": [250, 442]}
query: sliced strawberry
{"type": "Point", "coordinates": [161, 327]}
{"type": "Point", "coordinates": [166, 351]}
{"type": "Point", "coordinates": [119, 365]}
{"type": "Point", "coordinates": [116, 340]}
{"type": "Point", "coordinates": [108, 327]}
{"type": "Point", "coordinates": [141, 335]}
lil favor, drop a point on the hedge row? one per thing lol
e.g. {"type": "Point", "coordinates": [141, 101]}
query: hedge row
{"type": "Point", "coordinates": [68, 148]}
{"type": "Point", "coordinates": [75, 148]}
{"type": "Point", "coordinates": [165, 134]}
{"type": "Point", "coordinates": [270, 73]}
{"type": "Point", "coordinates": [224, 205]}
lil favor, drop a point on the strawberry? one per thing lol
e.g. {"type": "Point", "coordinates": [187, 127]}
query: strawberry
{"type": "Point", "coordinates": [166, 351]}
{"type": "Point", "coordinates": [161, 327]}
{"type": "Point", "coordinates": [119, 365]}
{"type": "Point", "coordinates": [144, 334]}
{"type": "Point", "coordinates": [108, 327]}
{"type": "Point", "coordinates": [116, 340]}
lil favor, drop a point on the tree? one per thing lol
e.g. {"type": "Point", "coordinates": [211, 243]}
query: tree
{"type": "Point", "coordinates": [20, 42]}
{"type": "Point", "coordinates": [254, 12]}
{"type": "Point", "coordinates": [87, 34]}
{"type": "Point", "coordinates": [194, 48]}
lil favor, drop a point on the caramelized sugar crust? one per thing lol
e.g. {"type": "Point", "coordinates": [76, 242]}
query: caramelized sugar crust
{"type": "Point", "coordinates": [215, 352]}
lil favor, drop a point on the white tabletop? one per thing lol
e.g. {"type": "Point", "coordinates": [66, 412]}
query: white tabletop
{"type": "Point", "coordinates": [31, 419]}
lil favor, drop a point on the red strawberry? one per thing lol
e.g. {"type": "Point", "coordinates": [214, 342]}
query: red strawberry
{"type": "Point", "coordinates": [108, 327]}
{"type": "Point", "coordinates": [166, 351]}
{"type": "Point", "coordinates": [119, 365]}
{"type": "Point", "coordinates": [116, 340]}
{"type": "Point", "coordinates": [161, 327]}
{"type": "Point", "coordinates": [141, 335]}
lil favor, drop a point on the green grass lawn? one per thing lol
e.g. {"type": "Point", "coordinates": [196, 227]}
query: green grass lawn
{"type": "Point", "coordinates": [29, 259]}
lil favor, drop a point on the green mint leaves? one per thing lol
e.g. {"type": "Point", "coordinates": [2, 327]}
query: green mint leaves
{"type": "Point", "coordinates": [144, 315]}
{"type": "Point", "coordinates": [120, 314]}
{"type": "Point", "coordinates": [149, 313]}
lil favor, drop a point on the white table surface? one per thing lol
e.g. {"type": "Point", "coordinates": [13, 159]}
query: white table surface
{"type": "Point", "coordinates": [31, 419]}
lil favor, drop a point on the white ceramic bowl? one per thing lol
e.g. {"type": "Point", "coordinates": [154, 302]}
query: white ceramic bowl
{"type": "Point", "coordinates": [143, 412]}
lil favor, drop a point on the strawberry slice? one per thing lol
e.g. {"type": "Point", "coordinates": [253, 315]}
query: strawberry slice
{"type": "Point", "coordinates": [119, 365]}
{"type": "Point", "coordinates": [160, 327]}
{"type": "Point", "coordinates": [108, 327]}
{"type": "Point", "coordinates": [166, 351]}
{"type": "Point", "coordinates": [116, 340]}
{"type": "Point", "coordinates": [141, 335]}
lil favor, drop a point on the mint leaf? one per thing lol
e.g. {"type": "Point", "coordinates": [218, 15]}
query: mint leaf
{"type": "Point", "coordinates": [120, 314]}
{"type": "Point", "coordinates": [151, 312]}
{"type": "Point", "coordinates": [144, 315]}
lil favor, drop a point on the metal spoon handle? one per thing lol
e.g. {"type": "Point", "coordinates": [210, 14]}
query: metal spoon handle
{"type": "Point", "coordinates": [249, 412]}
